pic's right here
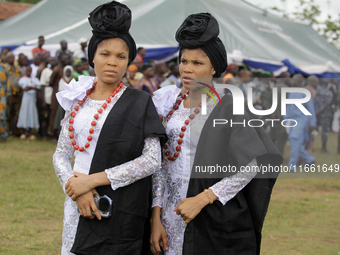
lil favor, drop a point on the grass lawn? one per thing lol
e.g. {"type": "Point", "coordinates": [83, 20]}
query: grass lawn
{"type": "Point", "coordinates": [304, 213]}
{"type": "Point", "coordinates": [303, 217]}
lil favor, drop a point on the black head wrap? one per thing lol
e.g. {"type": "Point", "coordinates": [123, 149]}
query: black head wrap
{"type": "Point", "coordinates": [110, 20]}
{"type": "Point", "coordinates": [201, 31]}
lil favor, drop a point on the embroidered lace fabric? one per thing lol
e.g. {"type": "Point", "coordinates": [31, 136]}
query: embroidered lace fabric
{"type": "Point", "coordinates": [170, 184]}
{"type": "Point", "coordinates": [119, 176]}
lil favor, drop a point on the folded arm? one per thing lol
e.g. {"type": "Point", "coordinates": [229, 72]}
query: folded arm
{"type": "Point", "coordinates": [122, 175]}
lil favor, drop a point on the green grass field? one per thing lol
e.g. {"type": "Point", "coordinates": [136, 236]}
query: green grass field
{"type": "Point", "coordinates": [303, 217]}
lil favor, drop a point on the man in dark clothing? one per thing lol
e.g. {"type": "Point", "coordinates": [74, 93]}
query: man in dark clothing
{"type": "Point", "coordinates": [54, 82]}
{"type": "Point", "coordinates": [63, 50]}
{"type": "Point", "coordinates": [278, 133]}
{"type": "Point", "coordinates": [324, 112]}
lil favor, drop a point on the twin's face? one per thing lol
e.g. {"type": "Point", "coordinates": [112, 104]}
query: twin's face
{"type": "Point", "coordinates": [111, 60]}
{"type": "Point", "coordinates": [112, 57]}
{"type": "Point", "coordinates": [194, 63]}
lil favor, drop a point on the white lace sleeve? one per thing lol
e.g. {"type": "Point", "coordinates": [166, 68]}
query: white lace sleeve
{"type": "Point", "coordinates": [62, 158]}
{"type": "Point", "coordinates": [146, 164]}
{"type": "Point", "coordinates": [158, 184]}
{"type": "Point", "coordinates": [228, 187]}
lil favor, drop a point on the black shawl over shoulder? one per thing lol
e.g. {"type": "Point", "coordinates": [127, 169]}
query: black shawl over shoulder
{"type": "Point", "coordinates": [132, 119]}
{"type": "Point", "coordinates": [235, 228]}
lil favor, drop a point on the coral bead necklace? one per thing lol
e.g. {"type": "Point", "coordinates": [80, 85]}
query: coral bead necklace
{"type": "Point", "coordinates": [183, 128]}
{"type": "Point", "coordinates": [96, 116]}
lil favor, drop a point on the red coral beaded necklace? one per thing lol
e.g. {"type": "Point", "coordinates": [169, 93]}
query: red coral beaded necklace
{"type": "Point", "coordinates": [96, 116]}
{"type": "Point", "coordinates": [183, 128]}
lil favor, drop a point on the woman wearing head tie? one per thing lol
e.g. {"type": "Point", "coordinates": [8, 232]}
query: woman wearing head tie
{"type": "Point", "coordinates": [198, 212]}
{"type": "Point", "coordinates": [116, 137]}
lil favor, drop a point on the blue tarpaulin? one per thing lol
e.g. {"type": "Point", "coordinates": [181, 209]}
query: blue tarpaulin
{"type": "Point", "coordinates": [159, 53]}
{"type": "Point", "coordinates": [262, 65]}
{"type": "Point", "coordinates": [292, 69]}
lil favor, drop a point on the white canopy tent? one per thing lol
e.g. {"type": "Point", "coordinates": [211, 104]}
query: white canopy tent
{"type": "Point", "coordinates": [248, 32]}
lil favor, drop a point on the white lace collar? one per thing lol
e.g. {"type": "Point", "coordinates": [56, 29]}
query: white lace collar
{"type": "Point", "coordinates": [74, 90]}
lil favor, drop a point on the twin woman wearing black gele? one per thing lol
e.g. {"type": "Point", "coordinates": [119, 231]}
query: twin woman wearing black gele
{"type": "Point", "coordinates": [132, 188]}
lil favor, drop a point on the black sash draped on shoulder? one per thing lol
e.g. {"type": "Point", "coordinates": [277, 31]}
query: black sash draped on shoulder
{"type": "Point", "coordinates": [235, 228]}
{"type": "Point", "coordinates": [132, 119]}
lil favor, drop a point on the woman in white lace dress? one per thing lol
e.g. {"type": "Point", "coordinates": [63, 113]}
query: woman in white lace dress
{"type": "Point", "coordinates": [188, 214]}
{"type": "Point", "coordinates": [116, 136]}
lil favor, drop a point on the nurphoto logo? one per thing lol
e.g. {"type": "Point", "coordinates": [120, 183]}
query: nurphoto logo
{"type": "Point", "coordinates": [239, 99]}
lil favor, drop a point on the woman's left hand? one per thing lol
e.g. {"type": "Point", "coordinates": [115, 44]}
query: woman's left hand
{"type": "Point", "coordinates": [188, 208]}
{"type": "Point", "coordinates": [78, 185]}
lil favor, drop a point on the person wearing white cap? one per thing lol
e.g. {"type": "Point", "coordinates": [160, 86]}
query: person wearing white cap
{"type": "Point", "coordinates": [82, 52]}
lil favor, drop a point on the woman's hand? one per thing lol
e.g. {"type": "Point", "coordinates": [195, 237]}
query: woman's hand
{"type": "Point", "coordinates": [78, 185]}
{"type": "Point", "coordinates": [85, 203]}
{"type": "Point", "coordinates": [158, 236]}
{"type": "Point", "coordinates": [188, 208]}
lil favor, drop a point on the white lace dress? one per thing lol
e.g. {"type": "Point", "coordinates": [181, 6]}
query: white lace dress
{"type": "Point", "coordinates": [170, 184]}
{"type": "Point", "coordinates": [119, 176]}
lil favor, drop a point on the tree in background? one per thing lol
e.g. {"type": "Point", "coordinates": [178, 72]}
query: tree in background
{"type": "Point", "coordinates": [332, 30]}
{"type": "Point", "coordinates": [308, 13]}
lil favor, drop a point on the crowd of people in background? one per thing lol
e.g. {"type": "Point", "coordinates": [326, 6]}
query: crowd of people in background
{"type": "Point", "coordinates": [324, 108]}
{"type": "Point", "coordinates": [29, 87]}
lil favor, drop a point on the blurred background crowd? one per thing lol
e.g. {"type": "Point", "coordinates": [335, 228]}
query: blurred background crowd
{"type": "Point", "coordinates": [29, 108]}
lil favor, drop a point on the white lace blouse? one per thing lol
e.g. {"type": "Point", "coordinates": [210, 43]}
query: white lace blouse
{"type": "Point", "coordinates": [119, 176]}
{"type": "Point", "coordinates": [170, 184]}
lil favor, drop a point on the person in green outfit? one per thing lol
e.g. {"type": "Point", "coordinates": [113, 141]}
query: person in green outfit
{"type": "Point", "coordinates": [78, 69]}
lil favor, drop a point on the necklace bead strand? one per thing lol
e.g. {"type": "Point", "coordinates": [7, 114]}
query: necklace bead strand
{"type": "Point", "coordinates": [183, 128]}
{"type": "Point", "coordinates": [96, 116]}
